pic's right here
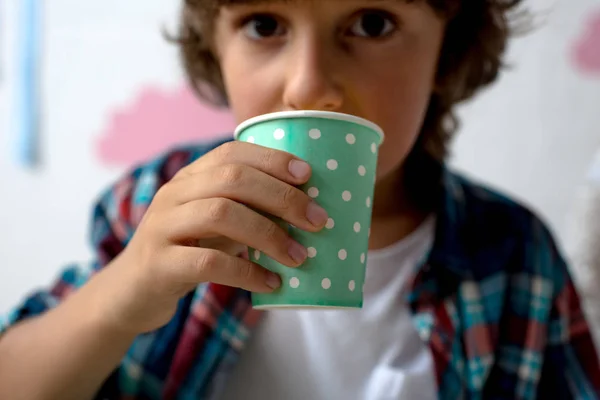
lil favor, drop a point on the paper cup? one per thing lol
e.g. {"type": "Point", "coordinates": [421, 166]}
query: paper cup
{"type": "Point", "coordinates": [342, 151]}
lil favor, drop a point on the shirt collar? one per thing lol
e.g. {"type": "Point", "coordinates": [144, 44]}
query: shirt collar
{"type": "Point", "coordinates": [471, 226]}
{"type": "Point", "coordinates": [449, 247]}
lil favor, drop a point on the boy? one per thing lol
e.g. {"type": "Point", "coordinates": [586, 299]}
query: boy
{"type": "Point", "coordinates": [490, 312]}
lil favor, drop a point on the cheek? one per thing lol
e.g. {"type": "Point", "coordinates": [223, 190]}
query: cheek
{"type": "Point", "coordinates": [239, 91]}
{"type": "Point", "coordinates": [251, 90]}
{"type": "Point", "coordinates": [399, 108]}
{"type": "Point", "coordinates": [396, 93]}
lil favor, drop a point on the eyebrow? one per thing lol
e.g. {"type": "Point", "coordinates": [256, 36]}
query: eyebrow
{"type": "Point", "coordinates": [253, 2]}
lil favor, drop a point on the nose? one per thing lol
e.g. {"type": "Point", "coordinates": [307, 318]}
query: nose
{"type": "Point", "coordinates": [311, 82]}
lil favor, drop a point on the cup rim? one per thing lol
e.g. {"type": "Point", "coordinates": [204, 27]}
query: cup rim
{"type": "Point", "coordinates": [309, 113]}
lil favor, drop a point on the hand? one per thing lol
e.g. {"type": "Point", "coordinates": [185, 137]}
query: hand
{"type": "Point", "coordinates": [199, 223]}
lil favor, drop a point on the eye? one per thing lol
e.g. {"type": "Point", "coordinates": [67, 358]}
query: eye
{"type": "Point", "coordinates": [263, 26]}
{"type": "Point", "coordinates": [373, 24]}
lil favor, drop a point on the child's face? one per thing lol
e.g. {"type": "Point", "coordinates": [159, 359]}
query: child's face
{"type": "Point", "coordinates": [375, 59]}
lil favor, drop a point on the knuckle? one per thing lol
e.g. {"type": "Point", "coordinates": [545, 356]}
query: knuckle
{"type": "Point", "coordinates": [246, 272]}
{"type": "Point", "coordinates": [226, 150]}
{"type": "Point", "coordinates": [231, 175]}
{"type": "Point", "coordinates": [219, 210]}
{"type": "Point", "coordinates": [268, 160]}
{"type": "Point", "coordinates": [205, 263]}
{"type": "Point", "coordinates": [272, 232]}
{"type": "Point", "coordinates": [287, 198]}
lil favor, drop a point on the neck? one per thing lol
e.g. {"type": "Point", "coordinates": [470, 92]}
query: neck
{"type": "Point", "coordinates": [395, 216]}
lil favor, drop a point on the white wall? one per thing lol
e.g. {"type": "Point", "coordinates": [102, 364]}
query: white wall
{"type": "Point", "coordinates": [533, 134]}
{"type": "Point", "coordinates": [96, 55]}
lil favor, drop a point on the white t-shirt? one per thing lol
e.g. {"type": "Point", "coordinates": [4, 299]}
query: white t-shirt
{"type": "Point", "coordinates": [367, 354]}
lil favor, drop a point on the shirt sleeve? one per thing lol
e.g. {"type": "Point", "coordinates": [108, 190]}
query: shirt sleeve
{"type": "Point", "coordinates": [69, 280]}
{"type": "Point", "coordinates": [571, 367]}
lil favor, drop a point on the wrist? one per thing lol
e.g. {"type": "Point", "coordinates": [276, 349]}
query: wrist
{"type": "Point", "coordinates": [124, 302]}
{"type": "Point", "coordinates": [83, 320]}
{"type": "Point", "coordinates": [110, 301]}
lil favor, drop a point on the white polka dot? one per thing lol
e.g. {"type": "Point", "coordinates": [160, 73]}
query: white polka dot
{"type": "Point", "coordinates": [357, 227]}
{"type": "Point", "coordinates": [373, 148]}
{"type": "Point", "coordinates": [313, 192]}
{"type": "Point", "coordinates": [251, 139]}
{"type": "Point", "coordinates": [342, 254]}
{"type": "Point", "coordinates": [294, 283]}
{"type": "Point", "coordinates": [332, 165]}
{"type": "Point", "coordinates": [326, 283]}
{"type": "Point", "coordinates": [312, 252]}
{"type": "Point", "coordinates": [362, 258]}
{"type": "Point", "coordinates": [352, 286]}
{"type": "Point", "coordinates": [369, 232]}
{"type": "Point", "coordinates": [347, 196]}
{"type": "Point", "coordinates": [256, 255]}
{"type": "Point", "coordinates": [350, 138]}
{"type": "Point", "coordinates": [279, 134]}
{"type": "Point", "coordinates": [368, 202]}
{"type": "Point", "coordinates": [330, 224]}
{"type": "Point", "coordinates": [362, 171]}
{"type": "Point", "coordinates": [314, 134]}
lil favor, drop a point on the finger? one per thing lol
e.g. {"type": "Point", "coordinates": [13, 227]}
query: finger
{"type": "Point", "coordinates": [223, 244]}
{"type": "Point", "coordinates": [256, 189]}
{"type": "Point", "coordinates": [279, 164]}
{"type": "Point", "coordinates": [208, 218]}
{"type": "Point", "coordinates": [193, 265]}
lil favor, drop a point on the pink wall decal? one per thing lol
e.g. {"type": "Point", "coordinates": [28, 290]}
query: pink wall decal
{"type": "Point", "coordinates": [158, 120]}
{"type": "Point", "coordinates": [586, 52]}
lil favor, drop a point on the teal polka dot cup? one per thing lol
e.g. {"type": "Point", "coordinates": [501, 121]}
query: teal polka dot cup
{"type": "Point", "coordinates": [342, 151]}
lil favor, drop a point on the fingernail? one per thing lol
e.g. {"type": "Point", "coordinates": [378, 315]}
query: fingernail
{"type": "Point", "coordinates": [299, 169]}
{"type": "Point", "coordinates": [273, 280]}
{"type": "Point", "coordinates": [316, 214]}
{"type": "Point", "coordinates": [297, 252]}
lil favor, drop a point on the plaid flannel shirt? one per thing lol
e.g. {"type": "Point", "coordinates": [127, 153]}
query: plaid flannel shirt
{"type": "Point", "coordinates": [494, 302]}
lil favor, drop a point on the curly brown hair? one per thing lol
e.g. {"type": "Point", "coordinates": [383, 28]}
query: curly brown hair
{"type": "Point", "coordinates": [471, 58]}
